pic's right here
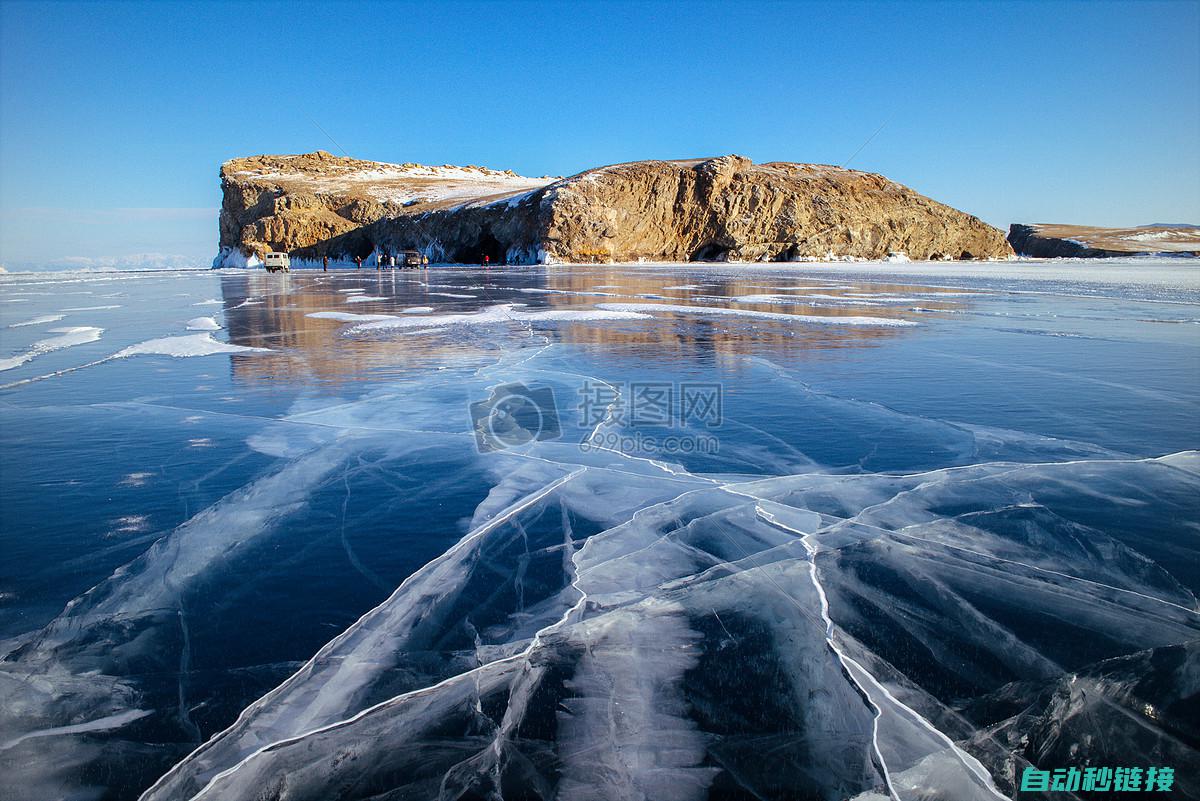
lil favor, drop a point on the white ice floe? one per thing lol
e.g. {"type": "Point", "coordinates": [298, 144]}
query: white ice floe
{"type": "Point", "coordinates": [544, 291]}
{"type": "Point", "coordinates": [203, 324]}
{"type": "Point", "coordinates": [67, 338]}
{"type": "Point", "coordinates": [350, 317]}
{"type": "Point", "coordinates": [646, 308]}
{"type": "Point", "coordinates": [503, 313]}
{"type": "Point", "coordinates": [363, 298]}
{"type": "Point", "coordinates": [184, 346]}
{"type": "Point", "coordinates": [39, 320]}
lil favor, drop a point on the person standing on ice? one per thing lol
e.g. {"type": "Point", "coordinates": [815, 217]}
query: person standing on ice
{"type": "Point", "coordinates": [358, 262]}
{"type": "Point", "coordinates": [424, 262]}
{"type": "Point", "coordinates": [487, 260]}
{"type": "Point", "coordinates": [325, 263]}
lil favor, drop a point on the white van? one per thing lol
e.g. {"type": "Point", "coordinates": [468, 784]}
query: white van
{"type": "Point", "coordinates": [277, 263]}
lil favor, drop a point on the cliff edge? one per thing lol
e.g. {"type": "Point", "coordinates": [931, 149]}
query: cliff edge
{"type": "Point", "coordinates": [719, 209]}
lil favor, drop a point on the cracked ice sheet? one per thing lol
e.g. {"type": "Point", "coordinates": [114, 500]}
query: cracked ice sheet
{"type": "Point", "coordinates": [142, 603]}
{"type": "Point", "coordinates": [983, 528]}
{"type": "Point", "coordinates": [382, 654]}
{"type": "Point", "coordinates": [71, 669]}
{"type": "Point", "coordinates": [68, 673]}
{"type": "Point", "coordinates": [621, 666]}
{"type": "Point", "coordinates": [667, 557]}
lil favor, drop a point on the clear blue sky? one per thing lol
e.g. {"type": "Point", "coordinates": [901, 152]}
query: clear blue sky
{"type": "Point", "coordinates": [114, 117]}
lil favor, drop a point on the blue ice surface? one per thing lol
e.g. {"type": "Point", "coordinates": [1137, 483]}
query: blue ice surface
{"type": "Point", "coordinates": [222, 514]}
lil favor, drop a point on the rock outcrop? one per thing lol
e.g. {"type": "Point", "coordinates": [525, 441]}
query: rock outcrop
{"type": "Point", "coordinates": [1086, 242]}
{"type": "Point", "coordinates": [293, 203]}
{"type": "Point", "coordinates": [720, 209]}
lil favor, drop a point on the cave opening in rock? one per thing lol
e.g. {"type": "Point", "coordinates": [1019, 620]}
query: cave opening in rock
{"type": "Point", "coordinates": [790, 253]}
{"type": "Point", "coordinates": [709, 251]}
{"type": "Point", "coordinates": [360, 249]}
{"type": "Point", "coordinates": [487, 245]}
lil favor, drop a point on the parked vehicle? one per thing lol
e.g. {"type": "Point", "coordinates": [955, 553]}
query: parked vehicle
{"type": "Point", "coordinates": [277, 262]}
{"type": "Point", "coordinates": [410, 258]}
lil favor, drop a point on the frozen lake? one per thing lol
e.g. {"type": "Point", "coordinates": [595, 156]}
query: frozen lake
{"type": "Point", "coordinates": [589, 532]}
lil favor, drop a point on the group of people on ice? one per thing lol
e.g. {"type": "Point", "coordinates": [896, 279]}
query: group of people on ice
{"type": "Point", "coordinates": [406, 259]}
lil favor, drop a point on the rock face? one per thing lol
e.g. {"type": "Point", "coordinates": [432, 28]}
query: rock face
{"type": "Point", "coordinates": [1087, 242]}
{"type": "Point", "coordinates": [294, 203]}
{"type": "Point", "coordinates": [721, 209]}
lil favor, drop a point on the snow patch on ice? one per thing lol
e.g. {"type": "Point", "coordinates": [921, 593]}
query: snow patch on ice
{"type": "Point", "coordinates": [350, 317]}
{"type": "Point", "coordinates": [671, 308]}
{"type": "Point", "coordinates": [503, 313]}
{"type": "Point", "coordinates": [68, 337]}
{"type": "Point", "coordinates": [40, 320]}
{"type": "Point", "coordinates": [203, 324]}
{"type": "Point", "coordinates": [184, 346]}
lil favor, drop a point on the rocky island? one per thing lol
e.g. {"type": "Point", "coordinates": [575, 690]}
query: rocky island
{"type": "Point", "coordinates": [1089, 242]}
{"type": "Point", "coordinates": [718, 209]}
